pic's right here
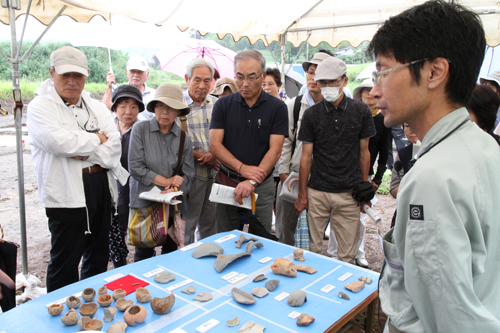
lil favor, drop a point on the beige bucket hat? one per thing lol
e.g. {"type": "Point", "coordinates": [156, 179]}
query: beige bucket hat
{"type": "Point", "coordinates": [221, 84]}
{"type": "Point", "coordinates": [356, 94]}
{"type": "Point", "coordinates": [171, 95]}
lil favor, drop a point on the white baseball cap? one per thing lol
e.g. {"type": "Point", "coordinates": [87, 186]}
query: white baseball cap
{"type": "Point", "coordinates": [67, 59]}
{"type": "Point", "coordinates": [494, 76]}
{"type": "Point", "coordinates": [139, 63]}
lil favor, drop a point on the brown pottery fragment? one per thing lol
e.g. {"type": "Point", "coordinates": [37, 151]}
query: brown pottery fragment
{"type": "Point", "coordinates": [305, 320]}
{"type": "Point", "coordinates": [163, 305]}
{"type": "Point", "coordinates": [284, 267]}
{"type": "Point", "coordinates": [135, 314]}
{"type": "Point", "coordinates": [355, 286]}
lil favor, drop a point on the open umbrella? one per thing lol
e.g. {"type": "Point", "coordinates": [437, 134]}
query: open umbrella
{"type": "Point", "coordinates": [177, 231]}
{"type": "Point", "coordinates": [176, 57]}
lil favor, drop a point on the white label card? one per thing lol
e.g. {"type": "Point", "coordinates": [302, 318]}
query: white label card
{"type": "Point", "coordinates": [327, 288]}
{"type": "Point", "coordinates": [114, 277]}
{"type": "Point", "coordinates": [230, 275]}
{"type": "Point", "coordinates": [264, 260]}
{"type": "Point", "coordinates": [237, 278]}
{"type": "Point", "coordinates": [225, 238]}
{"type": "Point", "coordinates": [345, 276]}
{"type": "Point", "coordinates": [281, 296]}
{"type": "Point", "coordinates": [153, 272]}
{"type": "Point", "coordinates": [208, 325]}
{"type": "Point", "coordinates": [294, 315]}
{"type": "Point", "coordinates": [191, 246]}
{"type": "Point", "coordinates": [178, 285]}
{"type": "Point", "coordinates": [63, 300]}
{"type": "Point", "coordinates": [177, 330]}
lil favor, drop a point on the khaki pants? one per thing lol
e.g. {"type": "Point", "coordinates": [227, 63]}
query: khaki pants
{"type": "Point", "coordinates": [343, 212]}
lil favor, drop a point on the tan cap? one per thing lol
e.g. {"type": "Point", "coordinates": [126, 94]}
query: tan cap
{"type": "Point", "coordinates": [316, 60]}
{"type": "Point", "coordinates": [171, 95]}
{"type": "Point", "coordinates": [67, 59]}
{"type": "Point", "coordinates": [221, 84]}
{"type": "Point", "coordinates": [139, 63]}
{"type": "Point", "coordinates": [330, 69]}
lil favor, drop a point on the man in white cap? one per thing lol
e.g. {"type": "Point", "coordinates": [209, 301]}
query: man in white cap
{"type": "Point", "coordinates": [74, 144]}
{"type": "Point", "coordinates": [289, 161]}
{"type": "Point", "coordinates": [336, 131]}
{"type": "Point", "coordinates": [137, 74]}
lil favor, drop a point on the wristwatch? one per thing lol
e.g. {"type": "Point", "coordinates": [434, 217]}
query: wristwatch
{"type": "Point", "coordinates": [253, 182]}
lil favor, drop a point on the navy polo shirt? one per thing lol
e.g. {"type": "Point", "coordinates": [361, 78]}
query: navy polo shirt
{"type": "Point", "coordinates": [247, 129]}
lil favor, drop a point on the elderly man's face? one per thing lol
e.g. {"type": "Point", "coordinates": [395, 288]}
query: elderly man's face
{"type": "Point", "coordinates": [69, 85]}
{"type": "Point", "coordinates": [249, 78]}
{"type": "Point", "coordinates": [137, 78]}
{"type": "Point", "coordinates": [199, 84]}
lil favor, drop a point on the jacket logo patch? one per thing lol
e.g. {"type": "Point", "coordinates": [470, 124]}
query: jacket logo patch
{"type": "Point", "coordinates": [417, 212]}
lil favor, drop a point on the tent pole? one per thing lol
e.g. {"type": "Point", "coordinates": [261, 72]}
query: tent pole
{"type": "Point", "coordinates": [298, 53]}
{"type": "Point", "coordinates": [18, 113]}
{"type": "Point", "coordinates": [24, 29]}
{"type": "Point", "coordinates": [283, 48]}
{"type": "Point", "coordinates": [269, 47]}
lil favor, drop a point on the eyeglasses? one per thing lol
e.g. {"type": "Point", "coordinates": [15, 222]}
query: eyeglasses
{"type": "Point", "coordinates": [376, 75]}
{"type": "Point", "coordinates": [250, 78]}
{"type": "Point", "coordinates": [161, 108]}
{"type": "Point", "coordinates": [329, 83]}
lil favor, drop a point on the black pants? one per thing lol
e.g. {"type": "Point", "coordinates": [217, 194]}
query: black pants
{"type": "Point", "coordinates": [68, 239]}
{"type": "Point", "coordinates": [145, 253]}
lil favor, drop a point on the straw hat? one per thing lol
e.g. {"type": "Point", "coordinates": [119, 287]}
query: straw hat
{"type": "Point", "coordinates": [367, 83]}
{"type": "Point", "coordinates": [171, 95]}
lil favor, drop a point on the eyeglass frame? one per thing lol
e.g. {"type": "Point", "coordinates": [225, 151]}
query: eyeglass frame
{"type": "Point", "coordinates": [376, 75]}
{"type": "Point", "coordinates": [249, 79]}
{"type": "Point", "coordinates": [164, 108]}
{"type": "Point", "coordinates": [334, 82]}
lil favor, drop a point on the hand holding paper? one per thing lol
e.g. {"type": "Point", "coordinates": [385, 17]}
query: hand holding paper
{"type": "Point", "coordinates": [156, 195]}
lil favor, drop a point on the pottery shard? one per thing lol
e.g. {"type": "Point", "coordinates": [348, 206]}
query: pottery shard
{"type": "Point", "coordinates": [242, 239]}
{"type": "Point", "coordinates": [365, 279]}
{"type": "Point", "coordinates": [82, 321]}
{"type": "Point", "coordinates": [272, 284]}
{"type": "Point", "coordinates": [70, 318]}
{"type": "Point", "coordinates": [305, 320]}
{"type": "Point", "coordinates": [104, 300]}
{"type": "Point", "coordinates": [164, 277]}
{"type": "Point", "coordinates": [251, 244]}
{"type": "Point", "coordinates": [242, 297]}
{"type": "Point", "coordinates": [207, 250]}
{"type": "Point", "coordinates": [203, 297]}
{"type": "Point", "coordinates": [189, 290]}
{"type": "Point", "coordinates": [297, 298]}
{"type": "Point", "coordinates": [305, 268]}
{"type": "Point", "coordinates": [252, 327]}
{"type": "Point", "coordinates": [93, 325]}
{"type": "Point", "coordinates": [109, 314]}
{"type": "Point", "coordinates": [118, 294]}
{"type": "Point", "coordinates": [260, 292]}
{"type": "Point", "coordinates": [284, 267]}
{"type": "Point", "coordinates": [103, 290]}
{"type": "Point", "coordinates": [344, 295]}
{"type": "Point", "coordinates": [118, 327]}
{"type": "Point", "coordinates": [355, 286]}
{"type": "Point", "coordinates": [73, 302]}
{"type": "Point", "coordinates": [233, 322]}
{"type": "Point", "coordinates": [55, 309]}
{"type": "Point", "coordinates": [163, 305]}
{"type": "Point", "coordinates": [259, 277]}
{"type": "Point", "coordinates": [298, 255]}
{"type": "Point", "coordinates": [225, 259]}
{"type": "Point", "coordinates": [123, 304]}
{"type": "Point", "coordinates": [143, 295]}
{"type": "Point", "coordinates": [88, 309]}
{"type": "Point", "coordinates": [135, 314]}
{"type": "Point", "coordinates": [88, 294]}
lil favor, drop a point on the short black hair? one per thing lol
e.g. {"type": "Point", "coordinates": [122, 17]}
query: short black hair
{"type": "Point", "coordinates": [431, 30]}
{"type": "Point", "coordinates": [216, 74]}
{"type": "Point", "coordinates": [276, 74]}
{"type": "Point", "coordinates": [327, 52]}
{"type": "Point", "coordinates": [484, 104]}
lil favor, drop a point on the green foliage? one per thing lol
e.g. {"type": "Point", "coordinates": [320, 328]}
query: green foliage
{"type": "Point", "coordinates": [157, 77]}
{"type": "Point", "coordinates": [385, 186]}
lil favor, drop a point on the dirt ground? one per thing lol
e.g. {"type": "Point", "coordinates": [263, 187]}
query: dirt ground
{"type": "Point", "coordinates": [38, 236]}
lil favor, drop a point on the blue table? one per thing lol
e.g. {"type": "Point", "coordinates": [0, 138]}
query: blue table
{"type": "Point", "coordinates": [330, 311]}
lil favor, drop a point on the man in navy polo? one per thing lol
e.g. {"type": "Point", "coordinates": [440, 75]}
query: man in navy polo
{"type": "Point", "coordinates": [246, 135]}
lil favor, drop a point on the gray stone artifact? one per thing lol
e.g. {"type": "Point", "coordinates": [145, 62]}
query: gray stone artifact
{"type": "Point", "coordinates": [355, 286]}
{"type": "Point", "coordinates": [207, 250]}
{"type": "Point", "coordinates": [242, 297]}
{"type": "Point", "coordinates": [103, 290]}
{"type": "Point", "coordinates": [242, 239]}
{"type": "Point", "coordinates": [297, 298]}
{"type": "Point", "coordinates": [81, 322]}
{"type": "Point", "coordinates": [298, 254]}
{"type": "Point", "coordinates": [70, 318]}
{"type": "Point", "coordinates": [305, 320]}
{"type": "Point", "coordinates": [233, 322]}
{"type": "Point", "coordinates": [203, 297]}
{"type": "Point", "coordinates": [260, 292]}
{"type": "Point", "coordinates": [164, 277]}
{"type": "Point", "coordinates": [259, 277]}
{"type": "Point", "coordinates": [88, 294]}
{"type": "Point", "coordinates": [189, 290]}
{"type": "Point", "coordinates": [251, 244]}
{"type": "Point", "coordinates": [118, 327]}
{"type": "Point", "coordinates": [73, 302]}
{"type": "Point", "coordinates": [143, 295]}
{"type": "Point", "coordinates": [284, 267]}
{"type": "Point", "coordinates": [225, 259]}
{"type": "Point", "coordinates": [272, 284]}
{"type": "Point", "coordinates": [365, 279]}
{"type": "Point", "coordinates": [109, 314]}
{"type": "Point", "coordinates": [123, 304]}
{"type": "Point", "coordinates": [305, 268]}
{"type": "Point", "coordinates": [344, 295]}
{"type": "Point", "coordinates": [252, 327]}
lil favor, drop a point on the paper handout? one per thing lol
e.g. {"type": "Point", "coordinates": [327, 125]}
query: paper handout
{"type": "Point", "coordinates": [155, 195]}
{"type": "Point", "coordinates": [225, 195]}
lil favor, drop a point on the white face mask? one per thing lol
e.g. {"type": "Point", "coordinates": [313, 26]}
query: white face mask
{"type": "Point", "coordinates": [331, 94]}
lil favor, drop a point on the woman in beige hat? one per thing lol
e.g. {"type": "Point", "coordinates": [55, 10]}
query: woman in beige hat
{"type": "Point", "coordinates": [153, 157]}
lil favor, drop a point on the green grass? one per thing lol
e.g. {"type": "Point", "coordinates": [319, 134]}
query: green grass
{"type": "Point", "coordinates": [385, 186]}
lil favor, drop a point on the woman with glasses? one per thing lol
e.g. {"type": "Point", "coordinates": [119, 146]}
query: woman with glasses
{"type": "Point", "coordinates": [153, 157]}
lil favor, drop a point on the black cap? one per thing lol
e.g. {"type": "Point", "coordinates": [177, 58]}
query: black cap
{"type": "Point", "coordinates": [127, 90]}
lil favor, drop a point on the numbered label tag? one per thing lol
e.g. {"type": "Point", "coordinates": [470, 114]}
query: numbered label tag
{"type": "Point", "coordinates": [294, 315]}
{"type": "Point", "coordinates": [114, 277]}
{"type": "Point", "coordinates": [178, 285]}
{"type": "Point", "coordinates": [207, 326]}
{"type": "Point", "coordinates": [264, 260]}
{"type": "Point", "coordinates": [152, 273]}
{"type": "Point", "coordinates": [326, 289]}
{"type": "Point", "coordinates": [191, 246]}
{"type": "Point", "coordinates": [225, 238]}
{"type": "Point", "coordinates": [230, 275]}
{"type": "Point", "coordinates": [63, 300]}
{"type": "Point", "coordinates": [237, 278]}
{"type": "Point", "coordinates": [178, 330]}
{"type": "Point", "coordinates": [345, 276]}
{"type": "Point", "coordinates": [281, 296]}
